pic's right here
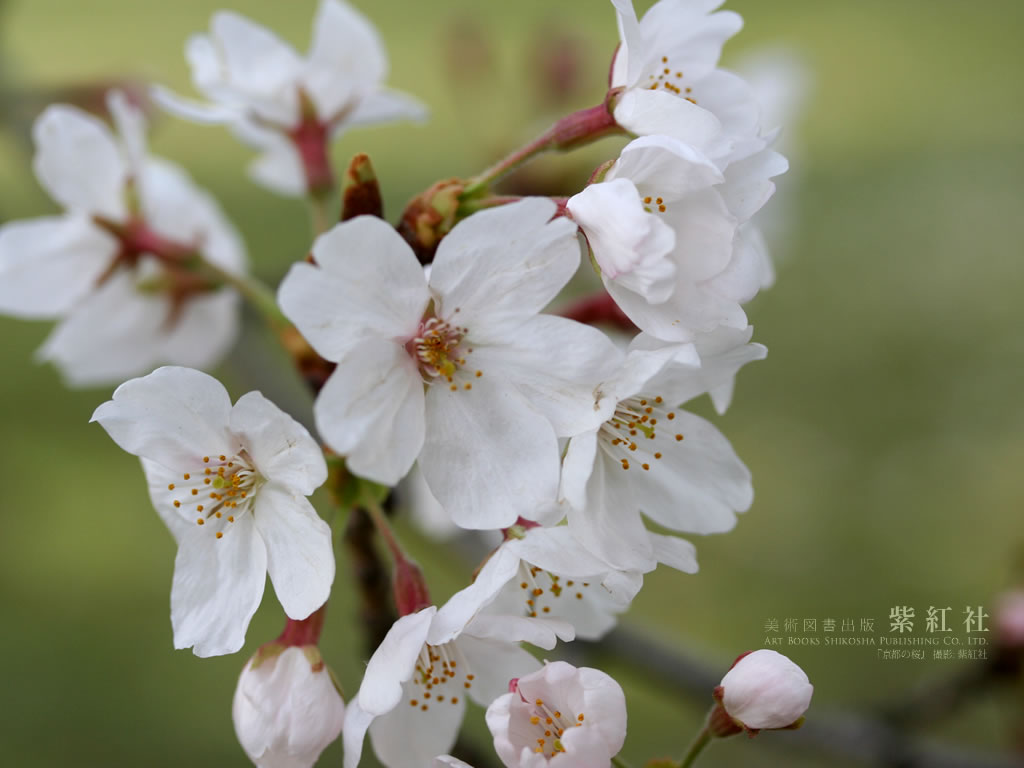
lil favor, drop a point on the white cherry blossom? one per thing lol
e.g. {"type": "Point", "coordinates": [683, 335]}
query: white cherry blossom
{"type": "Point", "coordinates": [230, 482]}
{"type": "Point", "coordinates": [460, 371]}
{"type": "Point", "coordinates": [560, 716]}
{"type": "Point", "coordinates": [548, 574]}
{"type": "Point", "coordinates": [286, 707]}
{"type": "Point", "coordinates": [106, 267]}
{"type": "Point", "coordinates": [417, 681]}
{"type": "Point", "coordinates": [764, 689]}
{"type": "Point", "coordinates": [666, 229]}
{"type": "Point", "coordinates": [651, 458]}
{"type": "Point", "coordinates": [667, 64]}
{"type": "Point", "coordinates": [289, 106]}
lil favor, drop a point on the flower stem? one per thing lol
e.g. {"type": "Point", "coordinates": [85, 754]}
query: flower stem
{"type": "Point", "coordinates": [571, 131]}
{"type": "Point", "coordinates": [319, 219]}
{"type": "Point", "coordinates": [258, 294]}
{"type": "Point", "coordinates": [702, 740]}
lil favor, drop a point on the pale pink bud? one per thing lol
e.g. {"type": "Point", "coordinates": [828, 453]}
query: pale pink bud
{"type": "Point", "coordinates": [764, 689]}
{"type": "Point", "coordinates": [286, 708]}
{"type": "Point", "coordinates": [1010, 619]}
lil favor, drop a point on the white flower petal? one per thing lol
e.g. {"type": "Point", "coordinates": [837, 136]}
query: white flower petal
{"type": "Point", "coordinates": [461, 607]}
{"type": "Point", "coordinates": [688, 34]}
{"type": "Point", "coordinates": [202, 335]}
{"type": "Point", "coordinates": [282, 449]}
{"type": "Point", "coordinates": [173, 416]}
{"type": "Point", "coordinates": [664, 167]}
{"type": "Point", "coordinates": [353, 732]}
{"type": "Point", "coordinates": [345, 58]}
{"type": "Point", "coordinates": [460, 448]}
{"type": "Point", "coordinates": [494, 664]}
{"type": "Point", "coordinates": [160, 481]}
{"type": "Point", "coordinates": [131, 127]}
{"type": "Point", "coordinates": [543, 633]}
{"type": "Point", "coordinates": [371, 410]}
{"type": "Point", "coordinates": [409, 737]}
{"type": "Point", "coordinates": [697, 486]}
{"type": "Point", "coordinates": [300, 553]}
{"type": "Point", "coordinates": [198, 112]}
{"type": "Point", "coordinates": [554, 363]}
{"type": "Point", "coordinates": [218, 585]}
{"type": "Point", "coordinates": [577, 466]}
{"type": "Point", "coordinates": [393, 663]}
{"type": "Point", "coordinates": [645, 112]}
{"type": "Point", "coordinates": [384, 106]}
{"type": "Point", "coordinates": [368, 283]}
{"type": "Point", "coordinates": [675, 552]}
{"type": "Point", "coordinates": [78, 162]}
{"type": "Point", "coordinates": [48, 264]}
{"type": "Point", "coordinates": [630, 243]}
{"type": "Point", "coordinates": [503, 265]}
{"type": "Point", "coordinates": [279, 168]}
{"type": "Point", "coordinates": [258, 64]}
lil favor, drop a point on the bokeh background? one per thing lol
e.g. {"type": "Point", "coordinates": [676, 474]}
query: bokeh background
{"type": "Point", "coordinates": [883, 431]}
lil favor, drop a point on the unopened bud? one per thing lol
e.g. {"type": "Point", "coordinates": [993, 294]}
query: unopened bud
{"type": "Point", "coordinates": [287, 708]}
{"type": "Point", "coordinates": [411, 594]}
{"type": "Point", "coordinates": [764, 689]}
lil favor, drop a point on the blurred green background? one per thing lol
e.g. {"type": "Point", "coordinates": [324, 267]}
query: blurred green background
{"type": "Point", "coordinates": [883, 430]}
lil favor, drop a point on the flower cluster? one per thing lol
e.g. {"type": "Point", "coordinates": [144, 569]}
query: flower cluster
{"type": "Point", "coordinates": [572, 445]}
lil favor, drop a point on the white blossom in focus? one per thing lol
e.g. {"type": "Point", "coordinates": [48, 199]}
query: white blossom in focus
{"type": "Point", "coordinates": [666, 229]}
{"type": "Point", "coordinates": [459, 371]}
{"type": "Point", "coordinates": [286, 105]}
{"type": "Point", "coordinates": [97, 267]}
{"type": "Point", "coordinates": [560, 716]}
{"type": "Point", "coordinates": [286, 708]}
{"type": "Point", "coordinates": [547, 573]}
{"type": "Point", "coordinates": [764, 689]}
{"type": "Point", "coordinates": [413, 694]}
{"type": "Point", "coordinates": [651, 458]}
{"type": "Point", "coordinates": [230, 482]}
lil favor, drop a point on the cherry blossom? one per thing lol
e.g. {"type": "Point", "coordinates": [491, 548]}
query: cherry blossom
{"type": "Point", "coordinates": [665, 229]}
{"type": "Point", "coordinates": [667, 64]}
{"type": "Point", "coordinates": [548, 574]}
{"type": "Point", "coordinates": [764, 689]}
{"type": "Point", "coordinates": [417, 681]}
{"type": "Point", "coordinates": [458, 370]}
{"type": "Point", "coordinates": [230, 482]}
{"type": "Point", "coordinates": [114, 268]}
{"type": "Point", "coordinates": [288, 106]}
{"type": "Point", "coordinates": [286, 708]}
{"type": "Point", "coordinates": [651, 458]}
{"type": "Point", "coordinates": [561, 716]}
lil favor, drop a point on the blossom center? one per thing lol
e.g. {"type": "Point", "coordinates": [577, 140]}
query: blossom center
{"type": "Point", "coordinates": [543, 723]}
{"type": "Point", "coordinates": [440, 351]}
{"type": "Point", "coordinates": [441, 676]}
{"type": "Point", "coordinates": [217, 491]}
{"type": "Point", "coordinates": [544, 590]}
{"type": "Point", "coordinates": [633, 431]}
{"type": "Point", "coordinates": [670, 79]}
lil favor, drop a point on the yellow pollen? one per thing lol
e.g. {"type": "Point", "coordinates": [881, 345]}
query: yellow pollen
{"type": "Point", "coordinates": [534, 720]}
{"type": "Point", "coordinates": [657, 455]}
{"type": "Point", "coordinates": [177, 503]}
{"type": "Point", "coordinates": [468, 385]}
{"type": "Point", "coordinates": [206, 459]}
{"type": "Point", "coordinates": [580, 717]}
{"type": "Point", "coordinates": [541, 742]}
{"type": "Point", "coordinates": [557, 714]}
{"type": "Point", "coordinates": [547, 733]}
{"type": "Point", "coordinates": [659, 201]}
{"type": "Point", "coordinates": [195, 492]}
{"type": "Point", "coordinates": [539, 702]}
{"type": "Point", "coordinates": [187, 476]}
{"type": "Point", "coordinates": [646, 466]}
{"type": "Point", "coordinates": [579, 595]}
{"type": "Point", "coordinates": [546, 609]}
{"type": "Point", "coordinates": [671, 416]}
{"type": "Point", "coordinates": [661, 208]}
{"type": "Point", "coordinates": [658, 399]}
{"type": "Point", "coordinates": [647, 199]}
{"type": "Point", "coordinates": [218, 515]}
{"type": "Point", "coordinates": [199, 508]}
{"type": "Point", "coordinates": [207, 481]}
{"type": "Point", "coordinates": [479, 374]}
{"type": "Point", "coordinates": [679, 437]}
{"type": "Point", "coordinates": [223, 457]}
{"type": "Point", "coordinates": [200, 521]}
{"type": "Point", "coordinates": [426, 695]}
{"type": "Point", "coordinates": [625, 463]}
{"type": "Point", "coordinates": [424, 707]}
{"type": "Point", "coordinates": [231, 519]}
{"type": "Point", "coordinates": [220, 535]}
{"type": "Point", "coordinates": [468, 677]}
{"type": "Point", "coordinates": [453, 388]}
{"type": "Point", "coordinates": [467, 685]}
{"type": "Point", "coordinates": [632, 446]}
{"type": "Point", "coordinates": [569, 583]}
{"type": "Point", "coordinates": [413, 703]}
{"type": "Point", "coordinates": [170, 486]}
{"type": "Point", "coordinates": [455, 699]}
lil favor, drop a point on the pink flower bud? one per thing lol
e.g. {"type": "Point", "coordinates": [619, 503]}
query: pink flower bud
{"type": "Point", "coordinates": [764, 689]}
{"type": "Point", "coordinates": [286, 708]}
{"type": "Point", "coordinates": [1010, 619]}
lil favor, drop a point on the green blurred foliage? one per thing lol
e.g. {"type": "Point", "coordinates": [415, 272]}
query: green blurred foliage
{"type": "Point", "coordinates": [883, 430]}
